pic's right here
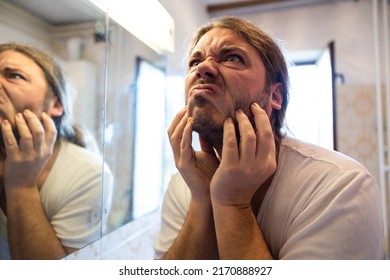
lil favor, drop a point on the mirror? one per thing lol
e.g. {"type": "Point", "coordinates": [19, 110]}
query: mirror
{"type": "Point", "coordinates": [73, 32]}
{"type": "Point", "coordinates": [132, 107]}
{"type": "Point", "coordinates": [110, 70]}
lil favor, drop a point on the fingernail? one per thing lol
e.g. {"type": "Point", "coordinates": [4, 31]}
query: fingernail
{"type": "Point", "coordinates": [27, 112]}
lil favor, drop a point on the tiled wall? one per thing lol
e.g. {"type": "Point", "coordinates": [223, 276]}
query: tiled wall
{"type": "Point", "coordinates": [356, 124]}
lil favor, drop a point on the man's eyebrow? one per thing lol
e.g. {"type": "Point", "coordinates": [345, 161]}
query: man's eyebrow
{"type": "Point", "coordinates": [226, 50]}
{"type": "Point", "coordinates": [196, 54]}
{"type": "Point", "coordinates": [221, 52]}
{"type": "Point", "coordinates": [9, 69]}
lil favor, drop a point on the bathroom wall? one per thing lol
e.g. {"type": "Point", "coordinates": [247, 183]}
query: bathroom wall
{"type": "Point", "coordinates": [16, 25]}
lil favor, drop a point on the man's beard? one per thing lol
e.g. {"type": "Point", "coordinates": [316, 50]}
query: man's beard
{"type": "Point", "coordinates": [212, 131]}
{"type": "Point", "coordinates": [209, 130]}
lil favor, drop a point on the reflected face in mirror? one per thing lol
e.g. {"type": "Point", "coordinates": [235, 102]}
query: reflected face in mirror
{"type": "Point", "coordinates": [50, 191]}
{"type": "Point", "coordinates": [22, 85]}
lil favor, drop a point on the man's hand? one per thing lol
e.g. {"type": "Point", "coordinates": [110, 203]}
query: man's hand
{"type": "Point", "coordinates": [196, 239]}
{"type": "Point", "coordinates": [30, 235]}
{"type": "Point", "coordinates": [245, 166]}
{"type": "Point", "coordinates": [25, 160]}
{"type": "Point", "coordinates": [196, 168]}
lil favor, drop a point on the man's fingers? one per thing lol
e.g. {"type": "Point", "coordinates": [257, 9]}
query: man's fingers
{"type": "Point", "coordinates": [186, 150]}
{"type": "Point", "coordinates": [35, 131]}
{"type": "Point", "coordinates": [175, 133]}
{"type": "Point", "coordinates": [176, 120]}
{"type": "Point", "coordinates": [247, 137]}
{"type": "Point", "coordinates": [229, 150]}
{"type": "Point", "coordinates": [8, 136]}
{"type": "Point", "coordinates": [26, 143]}
{"type": "Point", "coordinates": [264, 134]}
{"type": "Point", "coordinates": [50, 130]}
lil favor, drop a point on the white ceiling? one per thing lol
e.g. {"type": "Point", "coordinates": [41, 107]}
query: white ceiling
{"type": "Point", "coordinates": [70, 11]}
{"type": "Point", "coordinates": [57, 12]}
{"type": "Point", "coordinates": [216, 7]}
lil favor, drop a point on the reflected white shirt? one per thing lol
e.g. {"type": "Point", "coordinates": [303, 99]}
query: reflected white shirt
{"type": "Point", "coordinates": [72, 198]}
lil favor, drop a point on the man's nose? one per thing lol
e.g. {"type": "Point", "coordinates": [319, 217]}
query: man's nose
{"type": "Point", "coordinates": [207, 69]}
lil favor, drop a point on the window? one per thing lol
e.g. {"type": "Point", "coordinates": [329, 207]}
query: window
{"type": "Point", "coordinates": [310, 114]}
{"type": "Point", "coordinates": [149, 139]}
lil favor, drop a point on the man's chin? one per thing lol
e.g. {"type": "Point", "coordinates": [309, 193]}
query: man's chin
{"type": "Point", "coordinates": [208, 129]}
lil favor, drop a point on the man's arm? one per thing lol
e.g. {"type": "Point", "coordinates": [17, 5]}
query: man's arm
{"type": "Point", "coordinates": [30, 234]}
{"type": "Point", "coordinates": [238, 234]}
{"type": "Point", "coordinates": [196, 239]}
{"type": "Point", "coordinates": [244, 167]}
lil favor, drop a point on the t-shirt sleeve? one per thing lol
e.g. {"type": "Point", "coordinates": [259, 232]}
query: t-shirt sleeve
{"type": "Point", "coordinates": [76, 205]}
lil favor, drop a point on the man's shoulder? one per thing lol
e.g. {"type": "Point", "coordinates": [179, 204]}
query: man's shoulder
{"type": "Point", "coordinates": [77, 153]}
{"type": "Point", "coordinates": [297, 150]}
{"type": "Point", "coordinates": [74, 159]}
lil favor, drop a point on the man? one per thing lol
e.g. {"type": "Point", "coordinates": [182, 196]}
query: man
{"type": "Point", "coordinates": [251, 192]}
{"type": "Point", "coordinates": [51, 185]}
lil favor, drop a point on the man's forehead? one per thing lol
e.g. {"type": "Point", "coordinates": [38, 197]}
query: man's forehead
{"type": "Point", "coordinates": [16, 59]}
{"type": "Point", "coordinates": [218, 38]}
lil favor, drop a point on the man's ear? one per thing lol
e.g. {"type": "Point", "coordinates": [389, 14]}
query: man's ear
{"type": "Point", "coordinates": [277, 96]}
{"type": "Point", "coordinates": [56, 109]}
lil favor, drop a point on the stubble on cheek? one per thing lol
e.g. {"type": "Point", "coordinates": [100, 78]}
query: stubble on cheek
{"type": "Point", "coordinates": [209, 123]}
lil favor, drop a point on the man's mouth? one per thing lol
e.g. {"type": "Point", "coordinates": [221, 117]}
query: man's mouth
{"type": "Point", "coordinates": [203, 89]}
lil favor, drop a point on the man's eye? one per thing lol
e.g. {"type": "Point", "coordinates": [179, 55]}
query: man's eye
{"type": "Point", "coordinates": [234, 58]}
{"type": "Point", "coordinates": [16, 76]}
{"type": "Point", "coordinates": [194, 62]}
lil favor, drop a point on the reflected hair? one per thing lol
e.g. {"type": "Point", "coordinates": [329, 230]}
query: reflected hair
{"type": "Point", "coordinates": [58, 86]}
{"type": "Point", "coordinates": [270, 53]}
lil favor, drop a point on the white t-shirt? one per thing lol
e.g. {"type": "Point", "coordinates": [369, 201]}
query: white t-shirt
{"type": "Point", "coordinates": [72, 198]}
{"type": "Point", "coordinates": [320, 205]}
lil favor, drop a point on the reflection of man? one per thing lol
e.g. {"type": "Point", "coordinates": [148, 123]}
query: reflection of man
{"type": "Point", "coordinates": [50, 190]}
{"type": "Point", "coordinates": [260, 195]}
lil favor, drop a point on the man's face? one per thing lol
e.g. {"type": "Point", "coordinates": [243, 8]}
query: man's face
{"type": "Point", "coordinates": [22, 85]}
{"type": "Point", "coordinates": [225, 73]}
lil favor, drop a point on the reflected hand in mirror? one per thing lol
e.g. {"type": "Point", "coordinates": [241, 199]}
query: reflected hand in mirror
{"type": "Point", "coordinates": [51, 184]}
